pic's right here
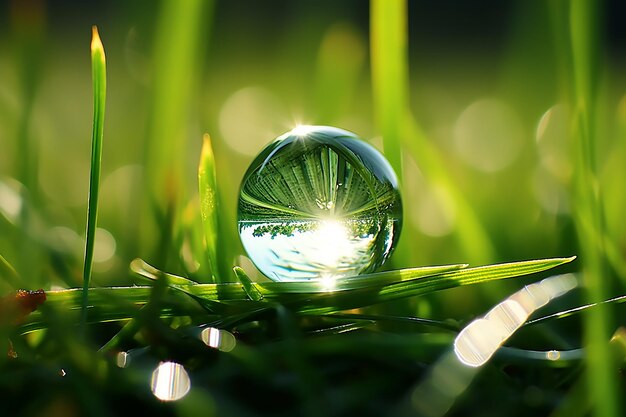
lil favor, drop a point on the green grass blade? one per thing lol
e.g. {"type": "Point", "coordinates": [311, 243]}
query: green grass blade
{"type": "Point", "coordinates": [307, 298]}
{"type": "Point", "coordinates": [388, 23]}
{"type": "Point", "coordinates": [575, 310]}
{"type": "Point", "coordinates": [175, 60]}
{"type": "Point", "coordinates": [142, 268]}
{"type": "Point", "coordinates": [98, 66]}
{"type": "Point", "coordinates": [207, 184]}
{"type": "Point", "coordinates": [248, 286]}
{"type": "Point", "coordinates": [365, 281]}
{"type": "Point", "coordinates": [587, 204]}
{"type": "Point", "coordinates": [469, 233]}
{"type": "Point", "coordinates": [334, 302]}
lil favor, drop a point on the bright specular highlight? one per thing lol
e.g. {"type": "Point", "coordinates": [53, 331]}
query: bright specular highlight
{"type": "Point", "coordinates": [318, 203]}
{"type": "Point", "coordinates": [480, 339]}
{"type": "Point", "coordinates": [170, 381]}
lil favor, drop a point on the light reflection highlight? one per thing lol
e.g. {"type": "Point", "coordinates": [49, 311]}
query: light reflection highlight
{"type": "Point", "coordinates": [302, 130]}
{"type": "Point", "coordinates": [480, 339]}
{"type": "Point", "coordinates": [170, 381]}
{"type": "Point", "coordinates": [219, 339]}
{"type": "Point", "coordinates": [122, 359]}
{"type": "Point", "coordinates": [553, 355]}
{"type": "Point", "coordinates": [452, 374]}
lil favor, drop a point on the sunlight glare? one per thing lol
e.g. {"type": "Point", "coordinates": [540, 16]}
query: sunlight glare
{"type": "Point", "coordinates": [480, 339]}
{"type": "Point", "coordinates": [302, 130]}
{"type": "Point", "coordinates": [331, 241]}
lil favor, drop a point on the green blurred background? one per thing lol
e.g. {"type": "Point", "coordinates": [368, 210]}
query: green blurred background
{"type": "Point", "coordinates": [488, 92]}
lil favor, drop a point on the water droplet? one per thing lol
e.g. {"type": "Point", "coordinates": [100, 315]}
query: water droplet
{"type": "Point", "coordinates": [319, 202]}
{"type": "Point", "coordinates": [170, 381]}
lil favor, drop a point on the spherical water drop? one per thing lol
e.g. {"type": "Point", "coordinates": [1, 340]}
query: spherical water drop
{"type": "Point", "coordinates": [318, 203]}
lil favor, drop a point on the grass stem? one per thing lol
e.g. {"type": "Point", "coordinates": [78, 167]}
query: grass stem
{"type": "Point", "coordinates": [588, 215]}
{"type": "Point", "coordinates": [98, 66]}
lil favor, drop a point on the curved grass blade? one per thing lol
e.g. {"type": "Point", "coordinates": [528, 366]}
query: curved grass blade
{"type": "Point", "coordinates": [333, 302]}
{"type": "Point", "coordinates": [575, 310]}
{"type": "Point", "coordinates": [248, 285]}
{"type": "Point", "coordinates": [373, 318]}
{"type": "Point", "coordinates": [306, 298]}
{"type": "Point", "coordinates": [98, 67]}
{"type": "Point", "coordinates": [377, 279]}
{"type": "Point", "coordinates": [144, 269]}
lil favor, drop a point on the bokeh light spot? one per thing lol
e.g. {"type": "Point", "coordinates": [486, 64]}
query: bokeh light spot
{"type": "Point", "coordinates": [488, 135]}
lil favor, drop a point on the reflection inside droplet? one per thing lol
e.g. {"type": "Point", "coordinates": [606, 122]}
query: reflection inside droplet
{"type": "Point", "coordinates": [219, 339]}
{"type": "Point", "coordinates": [170, 381]}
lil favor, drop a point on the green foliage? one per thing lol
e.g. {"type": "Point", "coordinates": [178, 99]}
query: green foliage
{"type": "Point", "coordinates": [357, 346]}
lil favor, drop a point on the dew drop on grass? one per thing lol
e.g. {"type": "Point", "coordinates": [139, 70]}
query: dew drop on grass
{"type": "Point", "coordinates": [319, 203]}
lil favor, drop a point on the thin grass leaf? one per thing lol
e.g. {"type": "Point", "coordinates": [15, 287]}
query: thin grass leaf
{"type": "Point", "coordinates": [375, 318]}
{"type": "Point", "coordinates": [207, 184]}
{"type": "Point", "coordinates": [588, 206]}
{"type": "Point", "coordinates": [575, 310]}
{"type": "Point", "coordinates": [470, 233]}
{"type": "Point", "coordinates": [334, 302]}
{"type": "Point", "coordinates": [248, 285]}
{"type": "Point", "coordinates": [306, 298]}
{"type": "Point", "coordinates": [175, 57]}
{"type": "Point", "coordinates": [144, 269]}
{"type": "Point", "coordinates": [388, 22]}
{"type": "Point", "coordinates": [98, 67]}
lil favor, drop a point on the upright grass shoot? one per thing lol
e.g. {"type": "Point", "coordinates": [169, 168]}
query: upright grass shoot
{"type": "Point", "coordinates": [207, 185]}
{"type": "Point", "coordinates": [390, 86]}
{"type": "Point", "coordinates": [28, 24]}
{"type": "Point", "coordinates": [388, 25]}
{"type": "Point", "coordinates": [175, 51]}
{"type": "Point", "coordinates": [98, 69]}
{"type": "Point", "coordinates": [389, 66]}
{"type": "Point", "coordinates": [588, 214]}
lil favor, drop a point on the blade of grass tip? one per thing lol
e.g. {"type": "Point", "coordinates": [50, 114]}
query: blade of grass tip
{"type": "Point", "coordinates": [98, 67]}
{"type": "Point", "coordinates": [588, 210]}
{"type": "Point", "coordinates": [207, 184]}
{"type": "Point", "coordinates": [248, 286]}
